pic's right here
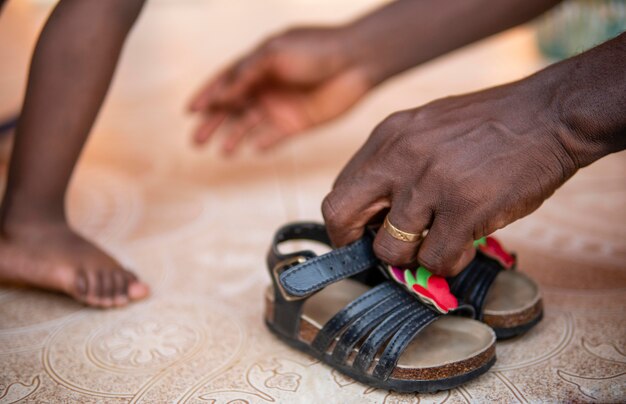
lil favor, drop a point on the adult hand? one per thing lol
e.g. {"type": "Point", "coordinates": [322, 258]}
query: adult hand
{"type": "Point", "coordinates": [291, 82]}
{"type": "Point", "coordinates": [461, 167]}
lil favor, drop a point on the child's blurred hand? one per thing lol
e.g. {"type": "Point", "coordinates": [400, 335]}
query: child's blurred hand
{"type": "Point", "coordinates": [291, 82]}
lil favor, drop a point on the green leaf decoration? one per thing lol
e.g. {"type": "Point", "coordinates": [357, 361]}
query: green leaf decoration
{"type": "Point", "coordinates": [480, 241]}
{"type": "Point", "coordinates": [422, 277]}
{"type": "Point", "coordinates": [409, 278]}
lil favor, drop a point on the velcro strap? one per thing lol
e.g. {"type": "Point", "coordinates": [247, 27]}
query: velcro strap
{"type": "Point", "coordinates": [318, 272]}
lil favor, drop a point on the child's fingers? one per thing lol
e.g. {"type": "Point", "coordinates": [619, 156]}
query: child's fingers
{"type": "Point", "coordinates": [245, 76]}
{"type": "Point", "coordinates": [234, 84]}
{"type": "Point", "coordinates": [208, 127]}
{"type": "Point", "coordinates": [204, 97]}
{"type": "Point", "coordinates": [269, 136]}
{"type": "Point", "coordinates": [248, 122]}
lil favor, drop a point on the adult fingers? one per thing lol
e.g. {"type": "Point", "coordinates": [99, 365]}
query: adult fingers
{"type": "Point", "coordinates": [407, 215]}
{"type": "Point", "coordinates": [448, 246]}
{"type": "Point", "coordinates": [349, 208]}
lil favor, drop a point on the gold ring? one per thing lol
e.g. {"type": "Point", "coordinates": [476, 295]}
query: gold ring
{"type": "Point", "coordinates": [399, 234]}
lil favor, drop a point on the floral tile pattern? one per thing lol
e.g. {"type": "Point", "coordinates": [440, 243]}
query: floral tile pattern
{"type": "Point", "coordinates": [196, 227]}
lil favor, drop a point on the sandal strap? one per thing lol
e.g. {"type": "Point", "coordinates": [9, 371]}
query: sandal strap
{"type": "Point", "coordinates": [352, 311]}
{"type": "Point", "coordinates": [296, 231]}
{"type": "Point", "coordinates": [382, 332]}
{"type": "Point", "coordinates": [317, 273]}
{"type": "Point", "coordinates": [360, 328]}
{"type": "Point", "coordinates": [473, 283]}
{"type": "Point", "coordinates": [286, 312]}
{"type": "Point", "coordinates": [401, 339]}
{"type": "Point", "coordinates": [313, 272]}
{"type": "Point", "coordinates": [306, 272]}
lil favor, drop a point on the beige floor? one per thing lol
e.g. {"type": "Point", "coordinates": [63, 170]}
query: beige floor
{"type": "Point", "coordinates": [176, 216]}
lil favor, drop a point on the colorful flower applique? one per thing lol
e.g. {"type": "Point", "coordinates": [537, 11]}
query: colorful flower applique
{"type": "Point", "coordinates": [429, 288]}
{"type": "Point", "coordinates": [434, 290]}
{"type": "Point", "coordinates": [494, 250]}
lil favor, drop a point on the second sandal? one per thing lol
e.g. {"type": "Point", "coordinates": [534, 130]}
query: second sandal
{"type": "Point", "coordinates": [503, 298]}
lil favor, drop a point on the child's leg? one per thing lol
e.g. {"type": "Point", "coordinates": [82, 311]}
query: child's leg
{"type": "Point", "coordinates": [70, 73]}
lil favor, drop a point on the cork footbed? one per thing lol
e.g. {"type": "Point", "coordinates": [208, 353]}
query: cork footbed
{"type": "Point", "coordinates": [447, 347]}
{"type": "Point", "coordinates": [513, 300]}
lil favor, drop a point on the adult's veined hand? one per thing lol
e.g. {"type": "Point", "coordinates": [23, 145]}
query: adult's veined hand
{"type": "Point", "coordinates": [463, 167]}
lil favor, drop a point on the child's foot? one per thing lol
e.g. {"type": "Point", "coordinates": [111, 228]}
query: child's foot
{"type": "Point", "coordinates": [51, 256]}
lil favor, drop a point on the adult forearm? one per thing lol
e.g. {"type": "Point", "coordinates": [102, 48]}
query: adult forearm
{"type": "Point", "coordinates": [69, 76]}
{"type": "Point", "coordinates": [590, 100]}
{"type": "Point", "coordinates": [406, 33]}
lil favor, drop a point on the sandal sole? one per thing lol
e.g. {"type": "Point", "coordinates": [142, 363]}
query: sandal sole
{"type": "Point", "coordinates": [402, 386]}
{"type": "Point", "coordinates": [512, 332]}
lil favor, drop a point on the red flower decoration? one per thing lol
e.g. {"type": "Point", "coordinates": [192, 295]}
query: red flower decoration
{"type": "Point", "coordinates": [493, 249]}
{"type": "Point", "coordinates": [430, 289]}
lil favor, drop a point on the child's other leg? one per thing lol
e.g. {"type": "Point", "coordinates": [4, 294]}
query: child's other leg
{"type": "Point", "coordinates": [70, 73]}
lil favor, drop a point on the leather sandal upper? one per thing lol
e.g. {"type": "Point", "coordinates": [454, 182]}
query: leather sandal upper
{"type": "Point", "coordinates": [384, 318]}
{"type": "Point", "coordinates": [473, 283]}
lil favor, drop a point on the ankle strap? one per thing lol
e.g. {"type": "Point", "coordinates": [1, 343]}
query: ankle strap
{"type": "Point", "coordinates": [303, 273]}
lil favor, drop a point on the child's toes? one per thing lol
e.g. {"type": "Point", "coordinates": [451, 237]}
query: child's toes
{"type": "Point", "coordinates": [136, 289]}
{"type": "Point", "coordinates": [121, 289]}
{"type": "Point", "coordinates": [92, 296]}
{"type": "Point", "coordinates": [81, 286]}
{"type": "Point", "coordinates": [120, 301]}
{"type": "Point", "coordinates": [106, 289]}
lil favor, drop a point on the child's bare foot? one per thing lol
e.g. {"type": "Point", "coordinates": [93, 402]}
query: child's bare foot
{"type": "Point", "coordinates": [51, 256]}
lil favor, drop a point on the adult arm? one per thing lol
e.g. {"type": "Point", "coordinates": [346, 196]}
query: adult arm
{"type": "Point", "coordinates": [468, 165]}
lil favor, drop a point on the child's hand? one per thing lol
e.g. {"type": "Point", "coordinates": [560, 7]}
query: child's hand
{"type": "Point", "coordinates": [291, 82]}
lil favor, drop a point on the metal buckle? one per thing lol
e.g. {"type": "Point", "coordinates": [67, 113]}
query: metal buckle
{"type": "Point", "coordinates": [279, 268]}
